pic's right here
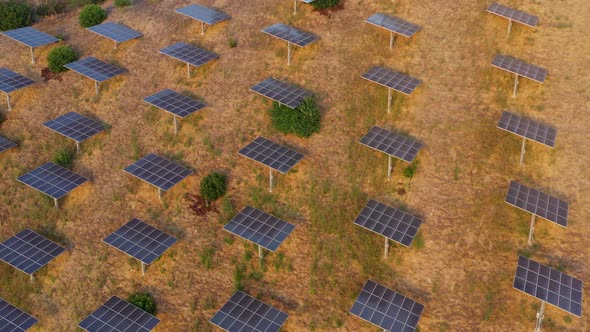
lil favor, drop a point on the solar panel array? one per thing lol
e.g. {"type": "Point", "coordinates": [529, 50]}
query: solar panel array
{"type": "Point", "coordinates": [290, 34]}
{"type": "Point", "coordinates": [281, 92]}
{"type": "Point", "coordinates": [513, 14]}
{"type": "Point", "coordinates": [118, 315]}
{"type": "Point", "coordinates": [520, 67]}
{"type": "Point", "coordinates": [203, 14]}
{"type": "Point", "coordinates": [158, 171]}
{"type": "Point", "coordinates": [114, 31]}
{"type": "Point", "coordinates": [52, 180]}
{"type": "Point", "coordinates": [386, 308]}
{"type": "Point", "coordinates": [391, 143]}
{"type": "Point", "coordinates": [260, 228]}
{"type": "Point", "coordinates": [11, 81]}
{"type": "Point", "coordinates": [189, 54]}
{"type": "Point", "coordinates": [392, 79]}
{"type": "Point", "coordinates": [528, 128]}
{"type": "Point", "coordinates": [538, 203]}
{"type": "Point", "coordinates": [6, 144]}
{"type": "Point", "coordinates": [30, 37]}
{"type": "Point", "coordinates": [394, 24]}
{"type": "Point", "coordinates": [549, 285]}
{"type": "Point", "coordinates": [75, 126]}
{"type": "Point", "coordinates": [95, 69]}
{"type": "Point", "coordinates": [244, 313]}
{"type": "Point", "coordinates": [271, 154]}
{"type": "Point", "coordinates": [29, 251]}
{"type": "Point", "coordinates": [12, 319]}
{"type": "Point", "coordinates": [175, 103]}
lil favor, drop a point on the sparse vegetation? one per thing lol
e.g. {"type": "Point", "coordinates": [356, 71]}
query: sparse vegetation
{"type": "Point", "coordinates": [60, 56]}
{"type": "Point", "coordinates": [123, 3]}
{"type": "Point", "coordinates": [207, 257]}
{"type": "Point", "coordinates": [65, 157]}
{"type": "Point", "coordinates": [323, 4]}
{"type": "Point", "coordinates": [14, 15]}
{"type": "Point", "coordinates": [213, 186]}
{"type": "Point", "coordinates": [410, 171]}
{"type": "Point", "coordinates": [232, 43]}
{"type": "Point", "coordinates": [143, 301]}
{"type": "Point", "coordinates": [92, 15]}
{"type": "Point", "coordinates": [302, 121]}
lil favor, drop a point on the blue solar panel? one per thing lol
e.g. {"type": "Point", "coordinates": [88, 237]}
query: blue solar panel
{"type": "Point", "coordinates": [281, 92]}
{"type": "Point", "coordinates": [118, 315]}
{"type": "Point", "coordinates": [30, 37]}
{"type": "Point", "coordinates": [260, 228]}
{"type": "Point", "coordinates": [158, 171]}
{"type": "Point", "coordinates": [52, 180]}
{"type": "Point", "coordinates": [175, 103]}
{"type": "Point", "coordinates": [114, 31]}
{"type": "Point", "coordinates": [95, 69]}
{"type": "Point", "coordinates": [6, 144]}
{"type": "Point", "coordinates": [393, 144]}
{"type": "Point", "coordinates": [203, 14]}
{"type": "Point", "coordinates": [12, 319]}
{"type": "Point", "coordinates": [271, 154]}
{"type": "Point", "coordinates": [189, 54]}
{"type": "Point", "coordinates": [11, 81]}
{"type": "Point", "coordinates": [75, 126]}
{"type": "Point", "coordinates": [290, 34]}
{"type": "Point", "coordinates": [243, 313]}
{"type": "Point", "coordinates": [29, 251]}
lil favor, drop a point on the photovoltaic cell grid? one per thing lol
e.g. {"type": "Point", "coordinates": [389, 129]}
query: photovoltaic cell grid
{"type": "Point", "coordinates": [52, 180]}
{"type": "Point", "coordinates": [394, 24]}
{"type": "Point", "coordinates": [549, 285]}
{"type": "Point", "coordinates": [271, 154]}
{"type": "Point", "coordinates": [392, 79]}
{"type": "Point", "coordinates": [386, 308]}
{"type": "Point", "coordinates": [175, 103]}
{"type": "Point", "coordinates": [513, 14]}
{"type": "Point", "coordinates": [243, 313]}
{"type": "Point", "coordinates": [390, 222]}
{"type": "Point", "coordinates": [95, 69]}
{"type": "Point", "coordinates": [6, 144]}
{"type": "Point", "coordinates": [538, 203]}
{"type": "Point", "coordinates": [158, 171]}
{"type": "Point", "coordinates": [393, 144]}
{"type": "Point", "coordinates": [189, 54]}
{"type": "Point", "coordinates": [520, 67]}
{"type": "Point", "coordinates": [29, 251]}
{"type": "Point", "coordinates": [140, 240]}
{"type": "Point", "coordinates": [114, 31]}
{"type": "Point", "coordinates": [203, 14]}
{"type": "Point", "coordinates": [30, 37]}
{"type": "Point", "coordinates": [11, 81]}
{"type": "Point", "coordinates": [12, 319]}
{"type": "Point", "coordinates": [117, 315]}
{"type": "Point", "coordinates": [75, 126]}
{"type": "Point", "coordinates": [290, 34]}
{"type": "Point", "coordinates": [528, 128]}
{"type": "Point", "coordinates": [281, 92]}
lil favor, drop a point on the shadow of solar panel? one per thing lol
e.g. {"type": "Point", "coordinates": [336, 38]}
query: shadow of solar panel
{"type": "Point", "coordinates": [281, 92]}
{"type": "Point", "coordinates": [189, 54]}
{"type": "Point", "coordinates": [390, 222]}
{"type": "Point", "coordinates": [140, 240]}
{"type": "Point", "coordinates": [386, 308]}
{"type": "Point", "coordinates": [75, 126]}
{"type": "Point", "coordinates": [513, 14]}
{"type": "Point", "coordinates": [271, 154]}
{"type": "Point", "coordinates": [52, 180]}
{"type": "Point", "coordinates": [242, 313]}
{"type": "Point", "coordinates": [114, 31]}
{"type": "Point", "coordinates": [29, 251]}
{"type": "Point", "coordinates": [6, 144]}
{"type": "Point", "coordinates": [392, 79]}
{"type": "Point", "coordinates": [394, 24]}
{"type": "Point", "coordinates": [158, 171]}
{"type": "Point", "coordinates": [175, 103]}
{"type": "Point", "coordinates": [30, 37]}
{"type": "Point", "coordinates": [203, 14]}
{"type": "Point", "coordinates": [538, 203]}
{"type": "Point", "coordinates": [520, 67]}
{"type": "Point", "coordinates": [525, 127]}
{"type": "Point", "coordinates": [11, 81]}
{"type": "Point", "coordinates": [391, 143]}
{"type": "Point", "coordinates": [95, 69]}
{"type": "Point", "coordinates": [549, 285]}
{"type": "Point", "coordinates": [290, 34]}
{"type": "Point", "coordinates": [12, 319]}
{"type": "Point", "coordinates": [260, 228]}
{"type": "Point", "coordinates": [118, 315]}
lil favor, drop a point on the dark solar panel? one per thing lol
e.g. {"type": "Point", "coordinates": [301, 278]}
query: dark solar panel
{"type": "Point", "coordinates": [390, 222]}
{"type": "Point", "coordinates": [118, 315]}
{"type": "Point", "coordinates": [290, 34]}
{"type": "Point", "coordinates": [30, 37]}
{"type": "Point", "coordinates": [203, 14]}
{"type": "Point", "coordinates": [12, 319]}
{"type": "Point", "coordinates": [520, 67]}
{"type": "Point", "coordinates": [392, 79]}
{"type": "Point", "coordinates": [281, 92]}
{"type": "Point", "coordinates": [538, 203]}
{"type": "Point", "coordinates": [260, 228]}
{"type": "Point", "coordinates": [393, 144]}
{"type": "Point", "coordinates": [158, 171]}
{"type": "Point", "coordinates": [189, 54]}
{"type": "Point", "coordinates": [394, 24]}
{"type": "Point", "coordinates": [175, 103]}
{"type": "Point", "coordinates": [11, 81]}
{"type": "Point", "coordinates": [95, 69]}
{"type": "Point", "coordinates": [29, 251]}
{"type": "Point", "coordinates": [116, 32]}
{"type": "Point", "coordinates": [75, 126]}
{"type": "Point", "coordinates": [513, 14]}
{"type": "Point", "coordinates": [271, 154]}
{"type": "Point", "coordinates": [6, 144]}
{"type": "Point", "coordinates": [528, 128]}
{"type": "Point", "coordinates": [386, 308]}
{"type": "Point", "coordinates": [243, 313]}
{"type": "Point", "coordinates": [140, 240]}
{"type": "Point", "coordinates": [549, 285]}
{"type": "Point", "coordinates": [52, 180]}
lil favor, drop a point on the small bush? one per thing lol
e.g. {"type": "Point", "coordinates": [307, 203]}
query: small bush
{"type": "Point", "coordinates": [92, 15]}
{"type": "Point", "coordinates": [302, 121]}
{"type": "Point", "coordinates": [213, 186]}
{"type": "Point", "coordinates": [232, 43]}
{"type": "Point", "coordinates": [122, 3]}
{"type": "Point", "coordinates": [14, 15]}
{"type": "Point", "coordinates": [65, 158]}
{"type": "Point", "coordinates": [323, 4]}
{"type": "Point", "coordinates": [410, 171]}
{"type": "Point", "coordinates": [60, 56]}
{"type": "Point", "coordinates": [51, 8]}
{"type": "Point", "coordinates": [143, 301]}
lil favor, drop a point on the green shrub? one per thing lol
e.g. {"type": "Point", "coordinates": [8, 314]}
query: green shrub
{"type": "Point", "coordinates": [60, 56]}
{"type": "Point", "coordinates": [411, 170]}
{"type": "Point", "coordinates": [323, 4]}
{"type": "Point", "coordinates": [92, 15]}
{"type": "Point", "coordinates": [302, 121]}
{"type": "Point", "coordinates": [14, 15]}
{"type": "Point", "coordinates": [143, 301]}
{"type": "Point", "coordinates": [122, 3]}
{"type": "Point", "coordinates": [232, 43]}
{"type": "Point", "coordinates": [213, 186]}
{"type": "Point", "coordinates": [65, 157]}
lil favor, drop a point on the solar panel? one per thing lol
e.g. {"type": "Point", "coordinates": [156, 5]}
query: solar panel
{"type": "Point", "coordinates": [203, 14]}
{"type": "Point", "coordinates": [157, 171]}
{"type": "Point", "coordinates": [6, 144]}
{"type": "Point", "coordinates": [538, 203]}
{"type": "Point", "coordinates": [392, 79]}
{"type": "Point", "coordinates": [12, 319]}
{"type": "Point", "coordinates": [189, 54]}
{"type": "Point", "coordinates": [175, 103]}
{"type": "Point", "coordinates": [95, 69]}
{"type": "Point", "coordinates": [513, 14]}
{"type": "Point", "coordinates": [281, 92]}
{"type": "Point", "coordinates": [271, 154]}
{"type": "Point", "coordinates": [290, 34]}
{"type": "Point", "coordinates": [114, 31]}
{"type": "Point", "coordinates": [52, 180]}
{"type": "Point", "coordinates": [11, 81]}
{"type": "Point", "coordinates": [394, 24]}
{"type": "Point", "coordinates": [549, 285]}
{"type": "Point", "coordinates": [30, 36]}
{"type": "Point", "coordinates": [386, 308]}
{"type": "Point", "coordinates": [140, 240]}
{"type": "Point", "coordinates": [260, 228]}
{"type": "Point", "coordinates": [118, 315]}
{"type": "Point", "coordinates": [520, 67]}
{"type": "Point", "coordinates": [75, 126]}
{"type": "Point", "coordinates": [393, 144]}
{"type": "Point", "coordinates": [244, 313]}
{"type": "Point", "coordinates": [29, 251]}
{"type": "Point", "coordinates": [528, 128]}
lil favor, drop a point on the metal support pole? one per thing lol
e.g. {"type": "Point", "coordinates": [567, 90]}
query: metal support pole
{"type": "Point", "coordinates": [160, 194]}
{"type": "Point", "coordinates": [386, 247]}
{"type": "Point", "coordinates": [96, 87]}
{"type": "Point", "coordinates": [288, 53]}
{"type": "Point", "coordinates": [175, 125]}
{"type": "Point", "coordinates": [294, 7]}
{"type": "Point", "coordinates": [142, 269]}
{"type": "Point", "coordinates": [271, 179]}
{"type": "Point", "coordinates": [389, 167]}
{"type": "Point", "coordinates": [32, 56]}
{"type": "Point", "coordinates": [509, 27]}
{"type": "Point", "coordinates": [532, 230]}
{"type": "Point", "coordinates": [202, 28]}
{"type": "Point", "coordinates": [188, 70]}
{"type": "Point", "coordinates": [56, 203]}
{"type": "Point", "coordinates": [515, 86]}
{"type": "Point", "coordinates": [32, 277]}
{"type": "Point", "coordinates": [77, 147]}
{"type": "Point", "coordinates": [388, 100]}
{"type": "Point", "coordinates": [522, 149]}
{"type": "Point", "coordinates": [116, 45]}
{"type": "Point", "coordinates": [391, 40]}
{"type": "Point", "coordinates": [540, 316]}
{"type": "Point", "coordinates": [8, 101]}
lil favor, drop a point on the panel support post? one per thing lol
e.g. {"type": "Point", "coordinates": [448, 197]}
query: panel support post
{"type": "Point", "coordinates": [116, 45]}
{"type": "Point", "coordinates": [271, 179]}
{"type": "Point", "coordinates": [389, 167]}
{"type": "Point", "coordinates": [77, 147]}
{"type": "Point", "coordinates": [175, 125]}
{"type": "Point", "coordinates": [509, 27]}
{"type": "Point", "coordinates": [391, 40]}
{"type": "Point", "coordinates": [294, 7]}
{"type": "Point", "coordinates": [97, 88]}
{"type": "Point", "coordinates": [540, 316]}
{"type": "Point", "coordinates": [386, 251]}
{"type": "Point", "coordinates": [32, 56]}
{"type": "Point", "coordinates": [522, 149]}
{"type": "Point", "coordinates": [55, 203]}
{"type": "Point", "coordinates": [142, 269]}
{"type": "Point", "coordinates": [188, 70]}
{"type": "Point", "coordinates": [532, 230]}
{"type": "Point", "coordinates": [388, 100]}
{"type": "Point", "coordinates": [288, 53]}
{"type": "Point", "coordinates": [515, 86]}
{"type": "Point", "coordinates": [32, 277]}
{"type": "Point", "coordinates": [202, 28]}
{"type": "Point", "coordinates": [160, 194]}
{"type": "Point", "coordinates": [8, 101]}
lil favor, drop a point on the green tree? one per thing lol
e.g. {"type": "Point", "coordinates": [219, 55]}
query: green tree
{"type": "Point", "coordinates": [92, 15]}
{"type": "Point", "coordinates": [213, 186]}
{"type": "Point", "coordinates": [323, 4]}
{"type": "Point", "coordinates": [59, 56]}
{"type": "Point", "coordinates": [143, 301]}
{"type": "Point", "coordinates": [302, 121]}
{"type": "Point", "coordinates": [14, 15]}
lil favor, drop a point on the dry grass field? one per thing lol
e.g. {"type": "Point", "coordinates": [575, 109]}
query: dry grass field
{"type": "Point", "coordinates": [461, 265]}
